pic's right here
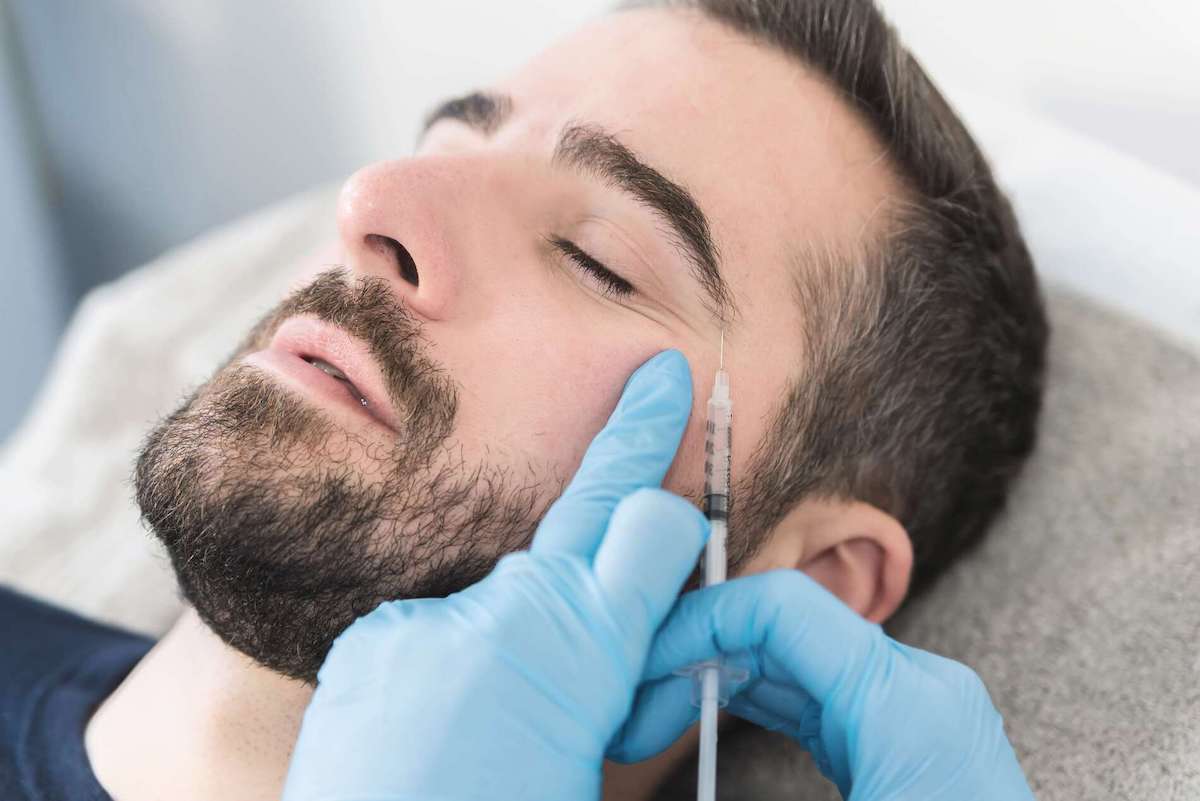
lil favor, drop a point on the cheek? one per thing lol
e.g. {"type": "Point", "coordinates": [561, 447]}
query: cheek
{"type": "Point", "coordinates": [686, 476]}
{"type": "Point", "coordinates": [537, 395]}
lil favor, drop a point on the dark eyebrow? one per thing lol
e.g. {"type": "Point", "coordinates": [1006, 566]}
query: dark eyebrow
{"type": "Point", "coordinates": [590, 149]}
{"type": "Point", "coordinates": [483, 111]}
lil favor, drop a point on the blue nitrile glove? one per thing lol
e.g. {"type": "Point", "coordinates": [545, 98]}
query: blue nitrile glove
{"type": "Point", "coordinates": [882, 720]}
{"type": "Point", "coordinates": [513, 688]}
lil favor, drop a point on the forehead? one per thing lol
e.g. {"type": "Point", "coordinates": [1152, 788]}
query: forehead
{"type": "Point", "coordinates": [760, 139]}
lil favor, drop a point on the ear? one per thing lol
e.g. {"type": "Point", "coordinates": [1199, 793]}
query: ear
{"type": "Point", "coordinates": [856, 551]}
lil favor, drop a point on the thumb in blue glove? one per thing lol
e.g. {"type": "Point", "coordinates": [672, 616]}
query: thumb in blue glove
{"type": "Point", "coordinates": [882, 720]}
{"type": "Point", "coordinates": [514, 687]}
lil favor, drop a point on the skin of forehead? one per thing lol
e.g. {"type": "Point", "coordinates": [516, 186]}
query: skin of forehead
{"type": "Point", "coordinates": [757, 137]}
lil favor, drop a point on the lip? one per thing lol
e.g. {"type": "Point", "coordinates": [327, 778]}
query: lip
{"type": "Point", "coordinates": [304, 336]}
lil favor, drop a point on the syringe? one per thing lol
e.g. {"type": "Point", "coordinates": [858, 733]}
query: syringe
{"type": "Point", "coordinates": [713, 679]}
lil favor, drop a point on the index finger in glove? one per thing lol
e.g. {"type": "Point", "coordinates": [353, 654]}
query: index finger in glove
{"type": "Point", "coordinates": [633, 450]}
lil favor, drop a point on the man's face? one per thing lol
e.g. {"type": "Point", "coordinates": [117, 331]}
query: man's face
{"type": "Point", "coordinates": [689, 162]}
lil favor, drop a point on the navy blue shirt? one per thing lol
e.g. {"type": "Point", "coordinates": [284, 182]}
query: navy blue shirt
{"type": "Point", "coordinates": [55, 669]}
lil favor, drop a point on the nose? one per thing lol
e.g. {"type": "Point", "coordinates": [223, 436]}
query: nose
{"type": "Point", "coordinates": [392, 219]}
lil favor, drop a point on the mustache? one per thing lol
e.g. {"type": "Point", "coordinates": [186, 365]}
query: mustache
{"type": "Point", "coordinates": [367, 309]}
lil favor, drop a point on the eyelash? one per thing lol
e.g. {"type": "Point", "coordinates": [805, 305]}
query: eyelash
{"type": "Point", "coordinates": [611, 283]}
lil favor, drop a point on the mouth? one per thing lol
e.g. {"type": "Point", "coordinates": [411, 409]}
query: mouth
{"type": "Point", "coordinates": [329, 370]}
{"type": "Point", "coordinates": [304, 346]}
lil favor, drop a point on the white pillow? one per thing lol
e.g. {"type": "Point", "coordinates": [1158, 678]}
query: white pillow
{"type": "Point", "coordinates": [1095, 219]}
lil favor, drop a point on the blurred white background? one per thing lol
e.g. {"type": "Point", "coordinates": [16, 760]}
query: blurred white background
{"type": "Point", "coordinates": [130, 126]}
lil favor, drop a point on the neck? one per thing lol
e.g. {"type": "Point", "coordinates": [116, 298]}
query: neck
{"type": "Point", "coordinates": [198, 720]}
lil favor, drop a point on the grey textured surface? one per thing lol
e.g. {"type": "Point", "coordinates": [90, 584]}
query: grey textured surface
{"type": "Point", "coordinates": [1081, 610]}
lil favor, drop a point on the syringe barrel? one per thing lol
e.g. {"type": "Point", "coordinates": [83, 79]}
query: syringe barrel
{"type": "Point", "coordinates": [717, 458]}
{"type": "Point", "coordinates": [714, 677]}
{"type": "Point", "coordinates": [717, 444]}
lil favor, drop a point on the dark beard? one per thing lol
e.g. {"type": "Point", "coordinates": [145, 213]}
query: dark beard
{"type": "Point", "coordinates": [277, 538]}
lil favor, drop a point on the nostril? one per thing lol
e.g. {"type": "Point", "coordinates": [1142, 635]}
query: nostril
{"type": "Point", "coordinates": [404, 259]}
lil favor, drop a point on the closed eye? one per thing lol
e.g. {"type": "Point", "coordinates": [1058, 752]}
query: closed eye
{"type": "Point", "coordinates": [608, 282]}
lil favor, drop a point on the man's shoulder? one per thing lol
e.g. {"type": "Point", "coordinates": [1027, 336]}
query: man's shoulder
{"type": "Point", "coordinates": [55, 667]}
{"type": "Point", "coordinates": [37, 634]}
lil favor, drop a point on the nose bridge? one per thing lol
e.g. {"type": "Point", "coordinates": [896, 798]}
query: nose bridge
{"type": "Point", "coordinates": [407, 221]}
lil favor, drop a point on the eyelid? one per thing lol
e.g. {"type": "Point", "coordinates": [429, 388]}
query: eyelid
{"type": "Point", "coordinates": [649, 257]}
{"type": "Point", "coordinates": [612, 283]}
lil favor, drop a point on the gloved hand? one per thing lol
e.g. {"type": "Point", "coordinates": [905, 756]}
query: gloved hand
{"type": "Point", "coordinates": [882, 720]}
{"type": "Point", "coordinates": [513, 688]}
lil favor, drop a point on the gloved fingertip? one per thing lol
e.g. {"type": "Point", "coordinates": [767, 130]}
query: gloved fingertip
{"type": "Point", "coordinates": [670, 364]}
{"type": "Point", "coordinates": [671, 359]}
{"type": "Point", "coordinates": [650, 416]}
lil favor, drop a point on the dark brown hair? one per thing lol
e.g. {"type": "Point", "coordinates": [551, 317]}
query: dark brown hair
{"type": "Point", "coordinates": [924, 349]}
